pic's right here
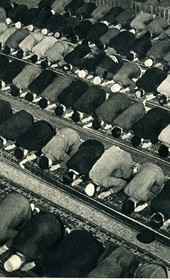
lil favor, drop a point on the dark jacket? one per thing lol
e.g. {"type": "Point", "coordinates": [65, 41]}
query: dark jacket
{"type": "Point", "coordinates": [40, 233]}
{"type": "Point", "coordinates": [16, 125]}
{"type": "Point", "coordinates": [12, 70]}
{"type": "Point", "coordinates": [75, 256]}
{"type": "Point", "coordinates": [72, 93]}
{"type": "Point", "coordinates": [96, 32]}
{"type": "Point", "coordinates": [113, 13]}
{"type": "Point", "coordinates": [122, 42]}
{"type": "Point", "coordinates": [83, 160]}
{"type": "Point", "coordinates": [151, 124]}
{"type": "Point", "coordinates": [151, 79]}
{"type": "Point", "coordinates": [14, 40]}
{"type": "Point", "coordinates": [141, 46]}
{"type": "Point", "coordinates": [74, 57]}
{"type": "Point", "coordinates": [113, 106]}
{"type": "Point", "coordinates": [161, 203]}
{"type": "Point", "coordinates": [5, 111]}
{"type": "Point", "coordinates": [36, 137]}
{"type": "Point", "coordinates": [42, 81]}
{"type": "Point", "coordinates": [92, 98]}
{"type": "Point", "coordinates": [85, 10]}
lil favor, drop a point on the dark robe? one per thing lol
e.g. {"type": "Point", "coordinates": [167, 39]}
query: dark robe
{"type": "Point", "coordinates": [40, 233]}
{"type": "Point", "coordinates": [75, 56]}
{"type": "Point", "coordinates": [16, 125]}
{"type": "Point", "coordinates": [83, 160]}
{"type": "Point", "coordinates": [151, 79]}
{"type": "Point", "coordinates": [75, 256]}
{"type": "Point", "coordinates": [72, 93]}
{"type": "Point", "coordinates": [42, 81]}
{"type": "Point", "coordinates": [37, 136]}
{"type": "Point", "coordinates": [5, 111]}
{"type": "Point", "coordinates": [12, 70]}
{"type": "Point", "coordinates": [92, 98]}
{"type": "Point", "coordinates": [161, 203]}
{"type": "Point", "coordinates": [113, 107]}
{"type": "Point", "coordinates": [14, 40]}
{"type": "Point", "coordinates": [151, 124]}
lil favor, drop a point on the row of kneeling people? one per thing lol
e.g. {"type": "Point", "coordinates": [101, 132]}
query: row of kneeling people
{"type": "Point", "coordinates": [99, 25]}
{"type": "Point", "coordinates": [40, 238]}
{"type": "Point", "coordinates": [90, 104]}
{"type": "Point", "coordinates": [110, 170]}
{"type": "Point", "coordinates": [102, 65]}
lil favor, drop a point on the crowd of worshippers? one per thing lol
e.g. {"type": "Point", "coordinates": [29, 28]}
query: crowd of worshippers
{"type": "Point", "coordinates": [112, 28]}
{"type": "Point", "coordinates": [40, 240]}
{"type": "Point", "coordinates": [90, 105]}
{"type": "Point", "coordinates": [115, 31]}
{"type": "Point", "coordinates": [103, 170]}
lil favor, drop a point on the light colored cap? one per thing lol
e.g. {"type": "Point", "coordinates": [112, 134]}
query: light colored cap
{"type": "Point", "coordinates": [53, 12]}
{"type": "Point", "coordinates": [18, 24]}
{"type": "Point", "coordinates": [97, 80]}
{"type": "Point", "coordinates": [105, 22]}
{"type": "Point", "coordinates": [90, 189]}
{"type": "Point", "coordinates": [132, 31]}
{"type": "Point", "coordinates": [30, 27]}
{"type": "Point", "coordinates": [148, 62]}
{"type": "Point", "coordinates": [3, 84]}
{"type": "Point", "coordinates": [8, 20]}
{"type": "Point", "coordinates": [57, 35]}
{"type": "Point", "coordinates": [44, 31]}
{"type": "Point", "coordinates": [13, 263]}
{"type": "Point", "coordinates": [82, 73]}
{"type": "Point", "coordinates": [116, 87]}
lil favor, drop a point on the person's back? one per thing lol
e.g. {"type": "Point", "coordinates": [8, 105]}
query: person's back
{"type": "Point", "coordinates": [152, 269]}
{"type": "Point", "coordinates": [63, 145]}
{"type": "Point", "coordinates": [146, 184]}
{"type": "Point", "coordinates": [75, 256]}
{"type": "Point", "coordinates": [112, 168]}
{"type": "Point", "coordinates": [5, 111]}
{"type": "Point", "coordinates": [15, 210]}
{"type": "Point", "coordinates": [88, 153]}
{"type": "Point", "coordinates": [16, 125]}
{"type": "Point", "coordinates": [120, 263]}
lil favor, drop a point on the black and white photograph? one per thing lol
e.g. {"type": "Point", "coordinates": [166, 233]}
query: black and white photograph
{"type": "Point", "coordinates": [85, 139]}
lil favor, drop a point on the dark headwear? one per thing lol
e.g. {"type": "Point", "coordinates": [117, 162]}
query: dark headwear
{"type": "Point", "coordinates": [43, 162]}
{"type": "Point", "coordinates": [163, 151]}
{"type": "Point", "coordinates": [128, 207]}
{"type": "Point", "coordinates": [146, 236]}
{"type": "Point", "coordinates": [157, 220]}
